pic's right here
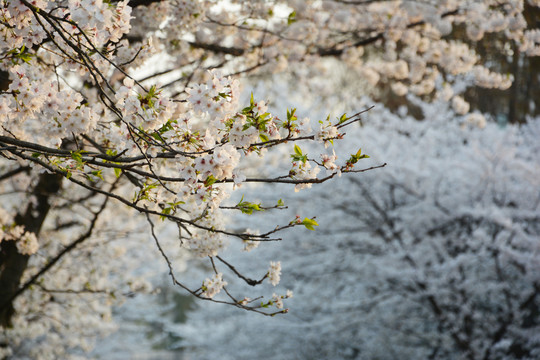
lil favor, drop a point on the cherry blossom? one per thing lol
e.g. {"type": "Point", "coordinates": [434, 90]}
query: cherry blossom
{"type": "Point", "coordinates": [114, 114]}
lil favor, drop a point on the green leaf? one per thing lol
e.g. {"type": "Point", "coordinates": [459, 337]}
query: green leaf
{"type": "Point", "coordinates": [247, 207]}
{"type": "Point", "coordinates": [290, 115]}
{"type": "Point", "coordinates": [309, 223]}
{"type": "Point", "coordinates": [291, 18]}
{"type": "Point", "coordinates": [97, 173]}
{"type": "Point", "coordinates": [343, 118]}
{"type": "Point", "coordinates": [165, 211]}
{"type": "Point", "coordinates": [209, 180]}
{"type": "Point", "coordinates": [76, 155]}
{"type": "Point", "coordinates": [298, 156]}
{"type": "Point", "coordinates": [264, 138]}
{"type": "Point", "coordinates": [354, 158]}
{"type": "Point", "coordinates": [280, 203]}
{"type": "Point", "coordinates": [21, 54]}
{"type": "Point", "coordinates": [117, 172]}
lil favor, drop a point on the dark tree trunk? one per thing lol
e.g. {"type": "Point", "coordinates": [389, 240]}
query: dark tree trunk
{"type": "Point", "coordinates": [12, 263]}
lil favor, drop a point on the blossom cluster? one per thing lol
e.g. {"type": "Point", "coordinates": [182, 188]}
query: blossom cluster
{"type": "Point", "coordinates": [20, 28]}
{"type": "Point", "coordinates": [26, 241]}
{"type": "Point", "coordinates": [90, 23]}
{"type": "Point", "coordinates": [250, 244]}
{"type": "Point", "coordinates": [274, 273]}
{"type": "Point", "coordinates": [277, 300]}
{"type": "Point", "coordinates": [33, 100]}
{"type": "Point", "coordinates": [206, 243]}
{"type": "Point", "coordinates": [301, 170]}
{"type": "Point", "coordinates": [211, 287]}
{"type": "Point", "coordinates": [329, 162]}
{"type": "Point", "coordinates": [148, 111]}
{"type": "Point", "coordinates": [217, 98]}
{"type": "Point", "coordinates": [99, 20]}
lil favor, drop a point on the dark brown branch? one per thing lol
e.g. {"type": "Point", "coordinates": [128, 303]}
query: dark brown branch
{"type": "Point", "coordinates": [136, 207]}
{"type": "Point", "coordinates": [197, 293]}
{"type": "Point", "coordinates": [14, 172]}
{"type": "Point", "coordinates": [247, 280]}
{"type": "Point", "coordinates": [73, 291]}
{"type": "Point", "coordinates": [372, 39]}
{"type": "Point", "coordinates": [89, 158]}
{"type": "Point", "coordinates": [137, 3]}
{"type": "Point", "coordinates": [218, 48]}
{"type": "Point", "coordinates": [360, 2]}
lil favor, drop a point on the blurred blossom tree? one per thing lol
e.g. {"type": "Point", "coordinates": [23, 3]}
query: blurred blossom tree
{"type": "Point", "coordinates": [436, 257]}
{"type": "Point", "coordinates": [112, 109]}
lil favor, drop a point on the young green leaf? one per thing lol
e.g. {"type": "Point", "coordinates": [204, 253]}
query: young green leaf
{"type": "Point", "coordinates": [297, 150]}
{"type": "Point", "coordinates": [354, 158]}
{"type": "Point", "coordinates": [209, 180]}
{"type": "Point", "coordinates": [298, 156]}
{"type": "Point", "coordinates": [309, 223]}
{"type": "Point", "coordinates": [97, 173]}
{"type": "Point", "coordinates": [291, 18]}
{"type": "Point", "coordinates": [247, 207]}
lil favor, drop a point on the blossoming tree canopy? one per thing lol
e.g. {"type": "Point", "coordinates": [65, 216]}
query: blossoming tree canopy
{"type": "Point", "coordinates": [139, 102]}
{"type": "Point", "coordinates": [441, 246]}
{"type": "Point", "coordinates": [73, 108]}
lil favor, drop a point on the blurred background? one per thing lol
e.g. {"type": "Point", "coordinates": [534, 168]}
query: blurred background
{"type": "Point", "coordinates": [435, 255]}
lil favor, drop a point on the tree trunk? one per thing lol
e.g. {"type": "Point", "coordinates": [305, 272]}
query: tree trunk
{"type": "Point", "coordinates": [12, 263]}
